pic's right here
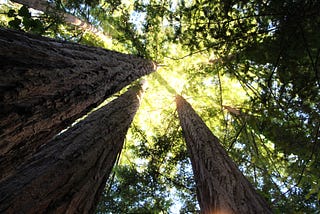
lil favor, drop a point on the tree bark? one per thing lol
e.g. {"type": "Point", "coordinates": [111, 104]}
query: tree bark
{"type": "Point", "coordinates": [68, 174]}
{"type": "Point", "coordinates": [45, 6]}
{"type": "Point", "coordinates": [221, 187]}
{"type": "Point", "coordinates": [45, 85]}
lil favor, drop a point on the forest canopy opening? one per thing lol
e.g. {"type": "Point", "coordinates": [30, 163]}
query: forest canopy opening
{"type": "Point", "coordinates": [249, 69]}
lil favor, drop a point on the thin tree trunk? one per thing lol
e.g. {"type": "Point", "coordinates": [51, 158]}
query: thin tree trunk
{"type": "Point", "coordinates": [68, 174]}
{"type": "Point", "coordinates": [221, 187]}
{"type": "Point", "coordinates": [45, 6]}
{"type": "Point", "coordinates": [45, 85]}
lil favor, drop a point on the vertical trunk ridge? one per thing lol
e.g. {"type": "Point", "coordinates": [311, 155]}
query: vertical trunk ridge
{"type": "Point", "coordinates": [221, 187]}
{"type": "Point", "coordinates": [45, 85]}
{"type": "Point", "coordinates": [68, 174]}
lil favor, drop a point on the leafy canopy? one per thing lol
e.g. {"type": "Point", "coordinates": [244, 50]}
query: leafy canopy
{"type": "Point", "coordinates": [249, 68]}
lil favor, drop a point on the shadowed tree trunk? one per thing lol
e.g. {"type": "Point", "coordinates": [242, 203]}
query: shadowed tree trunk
{"type": "Point", "coordinates": [45, 6]}
{"type": "Point", "coordinates": [45, 85]}
{"type": "Point", "coordinates": [221, 187]}
{"type": "Point", "coordinates": [68, 174]}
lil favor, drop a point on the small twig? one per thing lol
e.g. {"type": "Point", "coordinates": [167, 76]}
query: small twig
{"type": "Point", "coordinates": [314, 64]}
{"type": "Point", "coordinates": [237, 135]}
{"type": "Point", "coordinates": [303, 168]}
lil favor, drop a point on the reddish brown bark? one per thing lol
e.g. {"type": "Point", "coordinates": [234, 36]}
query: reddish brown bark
{"type": "Point", "coordinates": [45, 85]}
{"type": "Point", "coordinates": [68, 174]}
{"type": "Point", "coordinates": [221, 187]}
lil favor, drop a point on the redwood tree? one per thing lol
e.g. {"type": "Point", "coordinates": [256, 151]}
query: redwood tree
{"type": "Point", "coordinates": [68, 174]}
{"type": "Point", "coordinates": [221, 187]}
{"type": "Point", "coordinates": [46, 84]}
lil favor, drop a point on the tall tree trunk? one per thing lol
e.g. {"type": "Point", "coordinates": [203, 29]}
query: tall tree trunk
{"type": "Point", "coordinates": [45, 6]}
{"type": "Point", "coordinates": [68, 174]}
{"type": "Point", "coordinates": [221, 187]}
{"type": "Point", "coordinates": [46, 84]}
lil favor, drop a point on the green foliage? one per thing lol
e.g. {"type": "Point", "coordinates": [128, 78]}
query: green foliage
{"type": "Point", "coordinates": [22, 19]}
{"type": "Point", "coordinates": [137, 193]}
{"type": "Point", "coordinates": [259, 57]}
{"type": "Point", "coordinates": [272, 49]}
{"type": "Point", "coordinates": [149, 182]}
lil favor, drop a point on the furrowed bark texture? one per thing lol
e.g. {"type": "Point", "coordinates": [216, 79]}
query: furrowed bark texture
{"type": "Point", "coordinates": [68, 174]}
{"type": "Point", "coordinates": [221, 187]}
{"type": "Point", "coordinates": [45, 85]}
{"type": "Point", "coordinates": [45, 6]}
